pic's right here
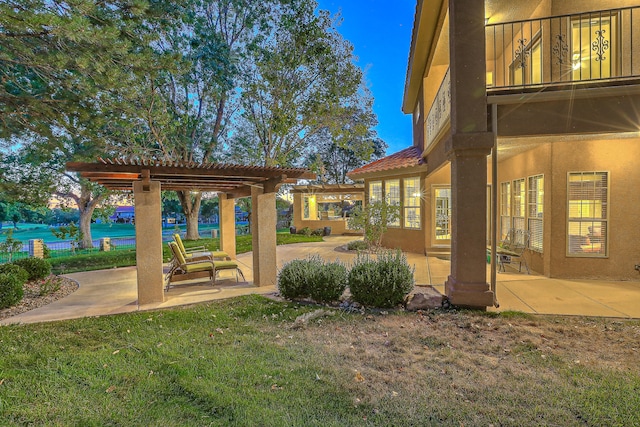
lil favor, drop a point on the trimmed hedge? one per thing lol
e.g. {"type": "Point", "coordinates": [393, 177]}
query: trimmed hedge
{"type": "Point", "coordinates": [383, 282]}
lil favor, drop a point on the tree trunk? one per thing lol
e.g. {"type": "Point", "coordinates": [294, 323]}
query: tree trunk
{"type": "Point", "coordinates": [85, 227]}
{"type": "Point", "coordinates": [86, 203]}
{"type": "Point", "coordinates": [190, 203]}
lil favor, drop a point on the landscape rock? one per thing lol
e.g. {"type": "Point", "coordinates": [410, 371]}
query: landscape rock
{"type": "Point", "coordinates": [428, 299]}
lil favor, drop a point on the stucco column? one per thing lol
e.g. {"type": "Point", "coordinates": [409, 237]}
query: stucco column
{"type": "Point", "coordinates": [148, 242]}
{"type": "Point", "coordinates": [263, 231]}
{"type": "Point", "coordinates": [467, 285]}
{"type": "Point", "coordinates": [226, 206]}
{"type": "Point", "coordinates": [467, 150]}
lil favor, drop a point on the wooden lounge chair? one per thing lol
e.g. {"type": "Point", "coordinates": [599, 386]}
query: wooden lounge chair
{"type": "Point", "coordinates": [183, 269]}
{"type": "Point", "coordinates": [512, 249]}
{"type": "Point", "coordinates": [199, 252]}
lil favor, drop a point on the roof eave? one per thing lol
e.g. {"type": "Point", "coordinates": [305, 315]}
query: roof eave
{"type": "Point", "coordinates": [425, 27]}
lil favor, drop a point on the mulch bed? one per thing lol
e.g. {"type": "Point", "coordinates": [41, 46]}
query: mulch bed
{"type": "Point", "coordinates": [32, 298]}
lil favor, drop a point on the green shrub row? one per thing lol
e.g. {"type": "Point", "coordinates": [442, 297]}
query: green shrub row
{"type": "Point", "coordinates": [382, 281]}
{"type": "Point", "coordinates": [13, 277]}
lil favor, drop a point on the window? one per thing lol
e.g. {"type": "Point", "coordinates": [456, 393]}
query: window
{"type": "Point", "coordinates": [309, 207]}
{"type": "Point", "coordinates": [592, 42]}
{"type": "Point", "coordinates": [587, 212]}
{"type": "Point", "coordinates": [535, 205]}
{"type": "Point", "coordinates": [526, 67]}
{"type": "Point", "coordinates": [412, 195]}
{"type": "Point", "coordinates": [375, 191]}
{"type": "Point", "coordinates": [518, 206]}
{"type": "Point", "coordinates": [442, 214]}
{"type": "Point", "coordinates": [392, 197]}
{"type": "Point", "coordinates": [505, 209]}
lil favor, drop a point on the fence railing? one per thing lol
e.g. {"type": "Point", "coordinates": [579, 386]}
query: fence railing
{"type": "Point", "coordinates": [593, 46]}
{"type": "Point", "coordinates": [63, 248]}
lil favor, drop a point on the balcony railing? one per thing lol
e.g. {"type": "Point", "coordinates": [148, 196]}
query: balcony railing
{"type": "Point", "coordinates": [593, 46]}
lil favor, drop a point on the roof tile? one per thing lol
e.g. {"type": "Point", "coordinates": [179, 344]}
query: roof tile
{"type": "Point", "coordinates": [402, 159]}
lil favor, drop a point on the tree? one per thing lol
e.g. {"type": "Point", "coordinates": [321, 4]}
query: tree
{"type": "Point", "coordinates": [65, 68]}
{"type": "Point", "coordinates": [373, 219]}
{"type": "Point", "coordinates": [56, 57]}
{"type": "Point", "coordinates": [332, 162]}
{"type": "Point", "coordinates": [301, 80]}
{"type": "Point", "coordinates": [182, 113]}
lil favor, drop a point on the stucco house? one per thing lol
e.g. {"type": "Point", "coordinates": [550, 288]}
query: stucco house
{"type": "Point", "coordinates": [526, 116]}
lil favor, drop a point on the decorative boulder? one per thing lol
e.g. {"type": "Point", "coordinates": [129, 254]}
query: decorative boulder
{"type": "Point", "coordinates": [429, 299]}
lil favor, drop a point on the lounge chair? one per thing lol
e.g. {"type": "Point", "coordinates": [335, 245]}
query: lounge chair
{"type": "Point", "coordinates": [199, 252]}
{"type": "Point", "coordinates": [182, 269]}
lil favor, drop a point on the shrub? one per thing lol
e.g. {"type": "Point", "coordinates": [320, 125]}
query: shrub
{"type": "Point", "coordinates": [329, 282]}
{"type": "Point", "coordinates": [357, 245]}
{"type": "Point", "coordinates": [381, 282]}
{"type": "Point", "coordinates": [11, 291]}
{"type": "Point", "coordinates": [374, 219]}
{"type": "Point", "coordinates": [295, 276]}
{"type": "Point", "coordinates": [317, 232]}
{"type": "Point", "coordinates": [36, 268]}
{"type": "Point", "coordinates": [306, 231]}
{"type": "Point", "coordinates": [15, 270]}
{"type": "Point", "coordinates": [312, 277]}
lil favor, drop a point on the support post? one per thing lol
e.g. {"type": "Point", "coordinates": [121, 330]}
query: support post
{"type": "Point", "coordinates": [263, 231]}
{"type": "Point", "coordinates": [148, 219]}
{"type": "Point", "coordinates": [227, 211]}
{"type": "Point", "coordinates": [470, 145]}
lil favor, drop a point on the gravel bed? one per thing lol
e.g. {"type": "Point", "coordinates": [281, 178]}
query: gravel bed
{"type": "Point", "coordinates": [32, 298]}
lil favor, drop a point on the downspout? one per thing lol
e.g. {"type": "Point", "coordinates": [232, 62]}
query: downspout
{"type": "Point", "coordinates": [494, 201]}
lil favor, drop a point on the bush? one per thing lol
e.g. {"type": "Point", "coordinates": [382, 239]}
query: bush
{"type": "Point", "coordinates": [306, 231]}
{"type": "Point", "coordinates": [15, 270]}
{"type": "Point", "coordinates": [11, 291]}
{"type": "Point", "coordinates": [329, 282]}
{"type": "Point", "coordinates": [302, 278]}
{"type": "Point", "coordinates": [36, 268]}
{"type": "Point", "coordinates": [382, 282]}
{"type": "Point", "coordinates": [295, 276]}
{"type": "Point", "coordinates": [357, 245]}
{"type": "Point", "coordinates": [317, 232]}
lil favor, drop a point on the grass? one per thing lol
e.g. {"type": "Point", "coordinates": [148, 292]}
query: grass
{"type": "Point", "coordinates": [240, 362]}
{"type": "Point", "coordinates": [127, 257]}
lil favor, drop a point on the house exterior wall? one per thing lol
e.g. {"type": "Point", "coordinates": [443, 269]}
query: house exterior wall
{"type": "Point", "coordinates": [338, 226]}
{"type": "Point", "coordinates": [555, 159]}
{"type": "Point", "coordinates": [619, 157]}
{"type": "Point", "coordinates": [410, 240]}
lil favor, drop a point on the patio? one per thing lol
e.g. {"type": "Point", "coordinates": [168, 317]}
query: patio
{"type": "Point", "coordinates": [114, 291]}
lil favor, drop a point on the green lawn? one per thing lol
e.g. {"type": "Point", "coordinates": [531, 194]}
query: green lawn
{"type": "Point", "coordinates": [240, 362]}
{"type": "Point", "coordinates": [125, 257]}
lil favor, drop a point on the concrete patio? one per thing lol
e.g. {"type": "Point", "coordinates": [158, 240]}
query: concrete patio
{"type": "Point", "coordinates": [114, 291]}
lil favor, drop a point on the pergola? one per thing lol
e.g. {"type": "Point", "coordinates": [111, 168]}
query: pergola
{"type": "Point", "coordinates": [147, 177]}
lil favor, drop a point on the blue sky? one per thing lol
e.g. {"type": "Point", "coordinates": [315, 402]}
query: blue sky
{"type": "Point", "coordinates": [380, 31]}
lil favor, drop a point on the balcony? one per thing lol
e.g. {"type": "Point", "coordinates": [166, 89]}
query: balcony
{"type": "Point", "coordinates": [588, 48]}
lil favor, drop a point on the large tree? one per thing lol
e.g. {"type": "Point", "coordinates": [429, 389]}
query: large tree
{"type": "Point", "coordinates": [64, 69]}
{"type": "Point", "coordinates": [182, 113]}
{"type": "Point", "coordinates": [301, 80]}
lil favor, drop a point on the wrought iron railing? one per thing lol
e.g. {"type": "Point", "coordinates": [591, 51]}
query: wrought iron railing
{"type": "Point", "coordinates": [584, 47]}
